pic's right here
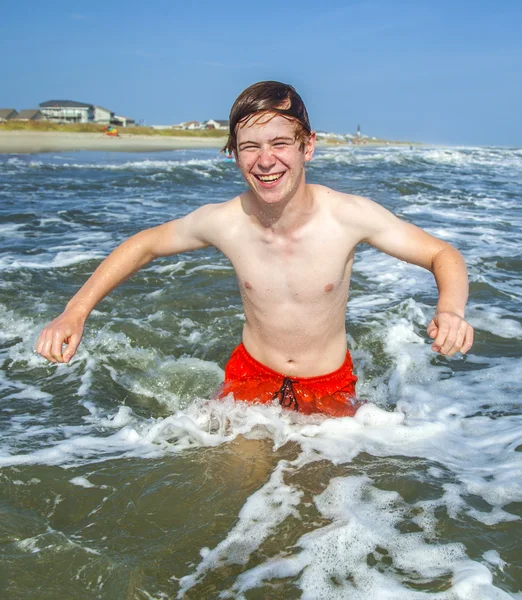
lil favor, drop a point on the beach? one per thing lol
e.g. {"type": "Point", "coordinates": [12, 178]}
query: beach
{"type": "Point", "coordinates": [34, 142]}
{"type": "Point", "coordinates": [30, 142]}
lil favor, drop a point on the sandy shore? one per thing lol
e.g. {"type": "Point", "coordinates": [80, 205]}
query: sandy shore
{"type": "Point", "coordinates": [29, 142]}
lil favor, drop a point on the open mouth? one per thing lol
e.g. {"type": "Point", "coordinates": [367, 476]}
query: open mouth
{"type": "Point", "coordinates": [267, 179]}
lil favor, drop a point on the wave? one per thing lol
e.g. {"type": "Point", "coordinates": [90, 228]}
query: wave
{"type": "Point", "coordinates": [464, 157]}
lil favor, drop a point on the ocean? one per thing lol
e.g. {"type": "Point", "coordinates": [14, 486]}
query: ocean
{"type": "Point", "coordinates": [120, 478]}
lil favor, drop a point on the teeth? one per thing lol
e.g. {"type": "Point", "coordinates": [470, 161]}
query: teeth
{"type": "Point", "coordinates": [269, 178]}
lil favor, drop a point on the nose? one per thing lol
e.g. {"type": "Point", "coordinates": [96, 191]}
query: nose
{"type": "Point", "coordinates": [266, 158]}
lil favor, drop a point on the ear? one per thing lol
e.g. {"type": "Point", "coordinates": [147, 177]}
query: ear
{"type": "Point", "coordinates": [310, 147]}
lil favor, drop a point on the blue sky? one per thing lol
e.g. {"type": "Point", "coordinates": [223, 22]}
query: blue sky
{"type": "Point", "coordinates": [434, 71]}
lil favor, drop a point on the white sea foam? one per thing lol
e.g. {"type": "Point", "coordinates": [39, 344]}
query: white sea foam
{"type": "Point", "coordinates": [61, 259]}
{"type": "Point", "coordinates": [10, 229]}
{"type": "Point", "coordinates": [82, 482]}
{"type": "Point", "coordinates": [493, 557]}
{"type": "Point", "coordinates": [209, 267]}
{"type": "Point", "coordinates": [146, 165]}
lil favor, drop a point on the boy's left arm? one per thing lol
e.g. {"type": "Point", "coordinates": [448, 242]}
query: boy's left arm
{"type": "Point", "coordinates": [449, 330]}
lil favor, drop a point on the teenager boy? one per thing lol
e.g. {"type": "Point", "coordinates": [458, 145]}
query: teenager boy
{"type": "Point", "coordinates": [292, 246]}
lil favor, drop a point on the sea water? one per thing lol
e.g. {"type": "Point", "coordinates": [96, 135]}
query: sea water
{"type": "Point", "coordinates": [121, 478]}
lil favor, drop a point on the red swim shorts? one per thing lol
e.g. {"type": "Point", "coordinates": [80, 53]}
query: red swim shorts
{"type": "Point", "coordinates": [332, 394]}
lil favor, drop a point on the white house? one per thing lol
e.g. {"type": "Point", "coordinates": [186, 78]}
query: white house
{"type": "Point", "coordinates": [70, 111]}
{"type": "Point", "coordinates": [216, 124]}
{"type": "Point", "coordinates": [67, 111]}
{"type": "Point", "coordinates": [192, 125]}
{"type": "Point", "coordinates": [120, 121]}
{"type": "Point", "coordinates": [102, 115]}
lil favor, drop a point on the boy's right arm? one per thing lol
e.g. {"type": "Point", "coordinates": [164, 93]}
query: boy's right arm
{"type": "Point", "coordinates": [181, 235]}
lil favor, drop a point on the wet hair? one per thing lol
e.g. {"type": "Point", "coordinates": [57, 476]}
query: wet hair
{"type": "Point", "coordinates": [268, 99]}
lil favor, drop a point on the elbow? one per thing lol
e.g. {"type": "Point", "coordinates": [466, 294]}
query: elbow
{"type": "Point", "coordinates": [447, 257]}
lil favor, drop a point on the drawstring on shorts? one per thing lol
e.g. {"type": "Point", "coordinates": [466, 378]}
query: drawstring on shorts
{"type": "Point", "coordinates": [286, 395]}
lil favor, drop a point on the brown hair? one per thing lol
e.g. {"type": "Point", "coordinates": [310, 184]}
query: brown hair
{"type": "Point", "coordinates": [268, 97]}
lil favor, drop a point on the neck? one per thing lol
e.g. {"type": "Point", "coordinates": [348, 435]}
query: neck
{"type": "Point", "coordinates": [282, 216]}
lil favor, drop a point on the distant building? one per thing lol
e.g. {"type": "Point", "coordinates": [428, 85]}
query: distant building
{"type": "Point", "coordinates": [30, 114]}
{"type": "Point", "coordinates": [120, 121]}
{"type": "Point", "coordinates": [216, 124]}
{"type": "Point", "coordinates": [102, 115]}
{"type": "Point", "coordinates": [210, 124]}
{"type": "Point", "coordinates": [192, 125]}
{"type": "Point", "coordinates": [69, 111]}
{"type": "Point", "coordinates": [7, 114]}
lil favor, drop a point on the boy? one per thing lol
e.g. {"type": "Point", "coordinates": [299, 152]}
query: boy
{"type": "Point", "coordinates": [292, 246]}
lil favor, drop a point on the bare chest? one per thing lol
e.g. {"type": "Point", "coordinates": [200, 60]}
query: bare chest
{"type": "Point", "coordinates": [293, 269]}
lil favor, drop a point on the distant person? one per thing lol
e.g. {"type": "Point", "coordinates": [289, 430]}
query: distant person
{"type": "Point", "coordinates": [227, 154]}
{"type": "Point", "coordinates": [292, 246]}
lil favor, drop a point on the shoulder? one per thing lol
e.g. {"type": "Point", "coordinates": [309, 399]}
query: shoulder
{"type": "Point", "coordinates": [212, 211]}
{"type": "Point", "coordinates": [358, 216]}
{"type": "Point", "coordinates": [345, 206]}
{"type": "Point", "coordinates": [339, 199]}
{"type": "Point", "coordinates": [209, 221]}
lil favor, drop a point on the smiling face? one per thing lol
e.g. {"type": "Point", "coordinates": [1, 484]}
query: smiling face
{"type": "Point", "coordinates": [271, 158]}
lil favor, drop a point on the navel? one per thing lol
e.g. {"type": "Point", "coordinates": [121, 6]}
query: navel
{"type": "Point", "coordinates": [329, 287]}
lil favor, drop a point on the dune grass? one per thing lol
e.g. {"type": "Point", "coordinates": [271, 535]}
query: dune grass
{"type": "Point", "coordinates": [36, 126]}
